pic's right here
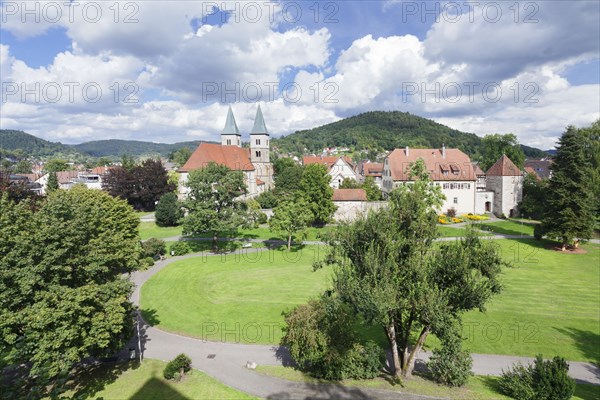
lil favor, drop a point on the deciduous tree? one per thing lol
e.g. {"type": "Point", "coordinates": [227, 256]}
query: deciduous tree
{"type": "Point", "coordinates": [315, 189]}
{"type": "Point", "coordinates": [211, 202]}
{"type": "Point", "coordinates": [290, 218]}
{"type": "Point", "coordinates": [62, 294]}
{"type": "Point", "coordinates": [493, 146]}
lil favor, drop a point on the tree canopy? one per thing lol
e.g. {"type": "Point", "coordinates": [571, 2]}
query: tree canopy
{"type": "Point", "coordinates": [290, 218]}
{"type": "Point", "coordinates": [315, 189]}
{"type": "Point", "coordinates": [211, 202]}
{"type": "Point", "coordinates": [493, 146]}
{"type": "Point", "coordinates": [62, 294]}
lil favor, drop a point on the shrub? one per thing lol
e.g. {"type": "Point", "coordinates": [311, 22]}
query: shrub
{"type": "Point", "coordinates": [154, 248]}
{"type": "Point", "coordinates": [538, 231]}
{"type": "Point", "coordinates": [180, 248]}
{"type": "Point", "coordinates": [450, 365]}
{"type": "Point", "coordinates": [168, 210]}
{"type": "Point", "coordinates": [321, 340]}
{"type": "Point", "coordinates": [451, 213]}
{"type": "Point", "coordinates": [544, 380]}
{"type": "Point", "coordinates": [177, 367]}
{"type": "Point", "coordinates": [267, 199]}
{"type": "Point", "coordinates": [262, 218]}
{"type": "Point", "coordinates": [147, 263]}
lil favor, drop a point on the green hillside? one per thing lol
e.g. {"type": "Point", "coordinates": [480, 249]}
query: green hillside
{"type": "Point", "coordinates": [18, 140]}
{"type": "Point", "coordinates": [115, 147]}
{"type": "Point", "coordinates": [385, 130]}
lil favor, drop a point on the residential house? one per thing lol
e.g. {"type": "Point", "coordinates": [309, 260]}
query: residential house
{"type": "Point", "coordinates": [339, 168]}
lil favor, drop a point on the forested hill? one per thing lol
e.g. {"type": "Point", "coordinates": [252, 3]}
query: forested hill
{"type": "Point", "coordinates": [12, 140]}
{"type": "Point", "coordinates": [115, 147]}
{"type": "Point", "coordinates": [385, 130]}
{"type": "Point", "coordinates": [32, 145]}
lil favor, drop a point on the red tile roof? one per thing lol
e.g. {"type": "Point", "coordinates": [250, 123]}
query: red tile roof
{"type": "Point", "coordinates": [373, 169]}
{"type": "Point", "coordinates": [530, 170]}
{"type": "Point", "coordinates": [454, 166]}
{"type": "Point", "coordinates": [328, 161]}
{"type": "Point", "coordinates": [259, 182]}
{"type": "Point", "coordinates": [236, 158]}
{"type": "Point", "coordinates": [101, 170]}
{"type": "Point", "coordinates": [349, 195]}
{"type": "Point", "coordinates": [504, 167]}
{"type": "Point", "coordinates": [477, 170]}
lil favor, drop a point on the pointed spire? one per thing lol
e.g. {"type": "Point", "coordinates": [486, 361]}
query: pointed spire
{"type": "Point", "coordinates": [259, 124]}
{"type": "Point", "coordinates": [230, 125]}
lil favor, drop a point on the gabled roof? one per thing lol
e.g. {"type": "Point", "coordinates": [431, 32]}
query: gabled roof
{"type": "Point", "coordinates": [373, 169]}
{"type": "Point", "coordinates": [541, 167]}
{"type": "Point", "coordinates": [259, 127]}
{"type": "Point", "coordinates": [349, 195]}
{"type": "Point", "coordinates": [234, 157]}
{"type": "Point", "coordinates": [532, 171]}
{"type": "Point", "coordinates": [443, 165]}
{"type": "Point", "coordinates": [477, 170]}
{"type": "Point", "coordinates": [230, 125]}
{"type": "Point", "coordinates": [101, 170]}
{"type": "Point", "coordinates": [328, 161]}
{"type": "Point", "coordinates": [504, 167]}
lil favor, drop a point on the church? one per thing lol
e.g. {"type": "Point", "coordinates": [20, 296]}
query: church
{"type": "Point", "coordinates": [254, 161]}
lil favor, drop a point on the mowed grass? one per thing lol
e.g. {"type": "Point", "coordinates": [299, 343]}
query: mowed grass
{"type": "Point", "coordinates": [508, 227]}
{"type": "Point", "coordinates": [550, 303]}
{"type": "Point", "coordinates": [235, 298]}
{"type": "Point", "coordinates": [151, 230]}
{"type": "Point", "coordinates": [145, 382]}
{"type": "Point", "coordinates": [478, 387]}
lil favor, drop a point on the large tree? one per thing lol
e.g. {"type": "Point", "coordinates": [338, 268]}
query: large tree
{"type": "Point", "coordinates": [493, 146]}
{"type": "Point", "coordinates": [141, 185]}
{"type": "Point", "coordinates": [290, 218]}
{"type": "Point", "coordinates": [570, 204]}
{"type": "Point", "coordinates": [62, 294]}
{"type": "Point", "coordinates": [211, 203]}
{"type": "Point", "coordinates": [288, 174]}
{"type": "Point", "coordinates": [534, 197]}
{"type": "Point", "coordinates": [314, 187]}
{"type": "Point", "coordinates": [394, 276]}
{"type": "Point", "coordinates": [56, 165]}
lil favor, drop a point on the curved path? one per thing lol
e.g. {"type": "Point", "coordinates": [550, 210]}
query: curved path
{"type": "Point", "coordinates": [226, 361]}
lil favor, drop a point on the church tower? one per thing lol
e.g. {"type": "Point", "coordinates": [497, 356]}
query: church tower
{"type": "Point", "coordinates": [231, 134]}
{"type": "Point", "coordinates": [259, 149]}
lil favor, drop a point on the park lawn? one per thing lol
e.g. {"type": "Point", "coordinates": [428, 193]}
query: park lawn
{"type": "Point", "coordinates": [478, 387]}
{"type": "Point", "coordinates": [508, 227]}
{"type": "Point", "coordinates": [151, 230]}
{"type": "Point", "coordinates": [210, 297]}
{"type": "Point", "coordinates": [550, 303]}
{"type": "Point", "coordinates": [146, 382]}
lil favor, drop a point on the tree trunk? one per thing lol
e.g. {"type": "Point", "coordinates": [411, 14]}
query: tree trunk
{"type": "Point", "coordinates": [391, 334]}
{"type": "Point", "coordinates": [575, 243]}
{"type": "Point", "coordinates": [215, 241]}
{"type": "Point", "coordinates": [289, 242]}
{"type": "Point", "coordinates": [410, 363]}
{"type": "Point", "coordinates": [564, 245]}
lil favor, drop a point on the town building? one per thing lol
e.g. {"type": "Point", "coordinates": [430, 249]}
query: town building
{"type": "Point", "coordinates": [374, 170]}
{"type": "Point", "coordinates": [540, 168]}
{"type": "Point", "coordinates": [451, 169]}
{"type": "Point", "coordinates": [339, 168]}
{"type": "Point", "coordinates": [254, 162]}
{"type": "Point", "coordinates": [505, 179]}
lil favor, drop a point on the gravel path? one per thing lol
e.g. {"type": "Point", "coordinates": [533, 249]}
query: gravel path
{"type": "Point", "coordinates": [226, 361]}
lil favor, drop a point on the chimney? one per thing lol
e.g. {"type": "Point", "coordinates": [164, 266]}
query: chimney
{"type": "Point", "coordinates": [406, 151]}
{"type": "Point", "coordinates": [444, 151]}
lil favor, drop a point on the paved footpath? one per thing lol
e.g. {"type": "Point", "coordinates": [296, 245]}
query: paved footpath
{"type": "Point", "coordinates": [226, 361]}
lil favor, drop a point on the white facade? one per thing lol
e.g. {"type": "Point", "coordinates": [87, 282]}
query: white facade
{"type": "Point", "coordinates": [508, 192]}
{"type": "Point", "coordinates": [339, 171]}
{"type": "Point", "coordinates": [484, 201]}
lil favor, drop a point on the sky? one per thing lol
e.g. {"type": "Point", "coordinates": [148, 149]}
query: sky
{"type": "Point", "coordinates": [166, 71]}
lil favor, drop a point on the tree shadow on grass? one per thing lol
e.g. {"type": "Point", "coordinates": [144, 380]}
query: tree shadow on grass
{"type": "Point", "coordinates": [587, 342]}
{"type": "Point", "coordinates": [87, 380]}
{"type": "Point", "coordinates": [150, 316]}
{"type": "Point", "coordinates": [155, 388]}
{"type": "Point", "coordinates": [492, 383]}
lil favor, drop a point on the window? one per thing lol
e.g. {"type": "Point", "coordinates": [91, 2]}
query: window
{"type": "Point", "coordinates": [228, 142]}
{"type": "Point", "coordinates": [446, 186]}
{"type": "Point", "coordinates": [258, 142]}
{"type": "Point", "coordinates": [456, 200]}
{"type": "Point", "coordinates": [258, 154]}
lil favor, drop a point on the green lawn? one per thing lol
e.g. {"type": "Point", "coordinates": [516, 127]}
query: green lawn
{"type": "Point", "coordinates": [151, 230]}
{"type": "Point", "coordinates": [145, 382]}
{"type": "Point", "coordinates": [478, 387]}
{"type": "Point", "coordinates": [209, 296]}
{"type": "Point", "coordinates": [508, 227]}
{"type": "Point", "coordinates": [550, 304]}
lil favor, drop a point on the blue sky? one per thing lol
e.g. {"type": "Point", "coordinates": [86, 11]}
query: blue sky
{"type": "Point", "coordinates": [166, 71]}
